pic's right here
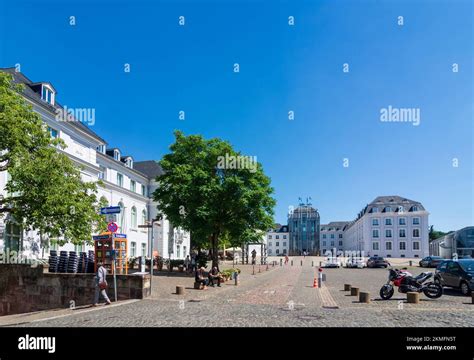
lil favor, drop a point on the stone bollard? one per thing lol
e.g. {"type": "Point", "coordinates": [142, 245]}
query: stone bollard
{"type": "Point", "coordinates": [472, 294]}
{"type": "Point", "coordinates": [281, 262]}
{"type": "Point", "coordinates": [236, 278]}
{"type": "Point", "coordinates": [354, 291]}
{"type": "Point", "coordinates": [364, 297]}
{"type": "Point", "coordinates": [347, 287]}
{"type": "Point", "coordinates": [291, 262]}
{"type": "Point", "coordinates": [180, 290]}
{"type": "Point", "coordinates": [259, 270]}
{"type": "Point", "coordinates": [312, 263]}
{"type": "Point", "coordinates": [320, 264]}
{"type": "Point", "coordinates": [411, 263]}
{"type": "Point", "coordinates": [301, 262]}
{"type": "Point", "coordinates": [253, 269]}
{"type": "Point", "coordinates": [413, 298]}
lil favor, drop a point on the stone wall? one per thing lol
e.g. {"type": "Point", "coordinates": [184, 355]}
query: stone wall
{"type": "Point", "coordinates": [25, 289]}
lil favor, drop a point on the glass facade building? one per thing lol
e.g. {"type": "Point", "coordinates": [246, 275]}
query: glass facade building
{"type": "Point", "coordinates": [304, 228]}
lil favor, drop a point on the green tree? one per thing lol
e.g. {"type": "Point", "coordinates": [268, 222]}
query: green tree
{"type": "Point", "coordinates": [434, 234]}
{"type": "Point", "coordinates": [209, 200]}
{"type": "Point", "coordinates": [45, 191]}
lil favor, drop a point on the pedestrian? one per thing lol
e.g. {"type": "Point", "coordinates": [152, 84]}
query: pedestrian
{"type": "Point", "coordinates": [254, 256]}
{"type": "Point", "coordinates": [101, 284]}
{"type": "Point", "coordinates": [193, 262]}
{"type": "Point", "coordinates": [187, 264]}
{"type": "Point", "coordinates": [286, 259]}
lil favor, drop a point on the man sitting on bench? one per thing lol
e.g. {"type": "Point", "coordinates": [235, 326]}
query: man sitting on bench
{"type": "Point", "coordinates": [214, 275]}
{"type": "Point", "coordinates": [199, 277]}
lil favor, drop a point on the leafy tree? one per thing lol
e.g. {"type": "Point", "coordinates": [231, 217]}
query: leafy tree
{"type": "Point", "coordinates": [209, 200]}
{"type": "Point", "coordinates": [434, 234]}
{"type": "Point", "coordinates": [45, 191]}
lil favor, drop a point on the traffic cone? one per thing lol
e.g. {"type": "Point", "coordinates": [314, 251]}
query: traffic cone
{"type": "Point", "coordinates": [315, 283]}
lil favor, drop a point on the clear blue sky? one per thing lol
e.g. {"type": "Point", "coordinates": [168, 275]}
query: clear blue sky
{"type": "Point", "coordinates": [282, 68]}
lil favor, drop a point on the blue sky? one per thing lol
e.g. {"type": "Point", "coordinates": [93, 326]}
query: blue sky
{"type": "Point", "coordinates": [282, 68]}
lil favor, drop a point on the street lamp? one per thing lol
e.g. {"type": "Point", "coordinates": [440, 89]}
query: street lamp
{"type": "Point", "coordinates": [149, 225]}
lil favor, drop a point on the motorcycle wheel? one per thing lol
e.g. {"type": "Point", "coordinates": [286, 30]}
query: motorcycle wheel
{"type": "Point", "coordinates": [386, 292]}
{"type": "Point", "coordinates": [433, 290]}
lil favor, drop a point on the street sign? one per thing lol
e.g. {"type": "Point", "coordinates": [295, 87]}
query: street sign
{"type": "Point", "coordinates": [120, 236]}
{"type": "Point", "coordinates": [110, 210]}
{"type": "Point", "coordinates": [111, 218]}
{"type": "Point", "coordinates": [112, 227]}
{"type": "Point", "coordinates": [101, 237]}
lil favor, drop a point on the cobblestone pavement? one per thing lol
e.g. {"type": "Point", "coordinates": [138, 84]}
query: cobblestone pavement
{"type": "Point", "coordinates": [281, 296]}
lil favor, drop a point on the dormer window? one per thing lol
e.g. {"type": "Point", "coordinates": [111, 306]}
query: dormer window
{"type": "Point", "coordinates": [47, 94]}
{"type": "Point", "coordinates": [117, 155]}
{"type": "Point", "coordinates": [414, 208]}
{"type": "Point", "coordinates": [101, 149]}
{"type": "Point", "coordinates": [387, 209]}
{"type": "Point", "coordinates": [375, 210]}
{"type": "Point", "coordinates": [129, 162]}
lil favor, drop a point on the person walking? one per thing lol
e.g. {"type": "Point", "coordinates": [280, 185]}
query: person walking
{"type": "Point", "coordinates": [187, 264]}
{"type": "Point", "coordinates": [286, 259]}
{"type": "Point", "coordinates": [193, 263]}
{"type": "Point", "coordinates": [101, 284]}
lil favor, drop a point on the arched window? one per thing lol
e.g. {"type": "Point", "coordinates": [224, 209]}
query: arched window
{"type": "Point", "coordinates": [134, 218]}
{"type": "Point", "coordinates": [121, 217]}
{"type": "Point", "coordinates": [144, 217]}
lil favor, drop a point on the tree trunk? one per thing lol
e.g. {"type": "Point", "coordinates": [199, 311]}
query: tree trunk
{"type": "Point", "coordinates": [215, 250]}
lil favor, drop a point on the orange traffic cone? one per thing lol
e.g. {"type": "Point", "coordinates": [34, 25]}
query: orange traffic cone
{"type": "Point", "coordinates": [315, 283]}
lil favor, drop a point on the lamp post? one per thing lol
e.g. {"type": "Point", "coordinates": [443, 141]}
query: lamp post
{"type": "Point", "coordinates": [149, 225]}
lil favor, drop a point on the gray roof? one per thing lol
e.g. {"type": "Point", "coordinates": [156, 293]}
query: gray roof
{"type": "Point", "coordinates": [393, 203]}
{"type": "Point", "coordinates": [336, 225]}
{"type": "Point", "coordinates": [150, 168]}
{"type": "Point", "coordinates": [35, 96]}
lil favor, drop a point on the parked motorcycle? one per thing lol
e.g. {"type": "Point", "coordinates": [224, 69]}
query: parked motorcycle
{"type": "Point", "coordinates": [406, 282]}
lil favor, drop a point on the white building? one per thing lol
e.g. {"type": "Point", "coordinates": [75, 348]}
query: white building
{"type": "Point", "coordinates": [278, 241]}
{"type": "Point", "coordinates": [332, 236]}
{"type": "Point", "coordinates": [390, 226]}
{"type": "Point", "coordinates": [127, 184]}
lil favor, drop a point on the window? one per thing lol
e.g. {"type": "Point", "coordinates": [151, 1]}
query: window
{"type": "Point", "coordinates": [332, 236]}
{"type": "Point", "coordinates": [416, 233]}
{"type": "Point", "coordinates": [277, 243]}
{"type": "Point", "coordinates": [416, 245]}
{"type": "Point", "coordinates": [129, 163]}
{"type": "Point", "coordinates": [402, 221]}
{"type": "Point", "coordinates": [332, 243]}
{"type": "Point", "coordinates": [402, 233]}
{"type": "Point", "coordinates": [387, 209]}
{"type": "Point", "coordinates": [133, 249]}
{"type": "Point", "coordinates": [269, 251]}
{"type": "Point", "coordinates": [388, 221]}
{"type": "Point", "coordinates": [269, 243]}
{"type": "Point", "coordinates": [119, 179]}
{"type": "Point", "coordinates": [102, 172]}
{"type": "Point", "coordinates": [324, 243]}
{"type": "Point", "coordinates": [134, 218]}
{"type": "Point", "coordinates": [375, 222]}
{"type": "Point", "coordinates": [277, 237]}
{"type": "Point", "coordinates": [324, 236]}
{"type": "Point", "coordinates": [284, 251]}
{"type": "Point", "coordinates": [277, 251]}
{"type": "Point", "coordinates": [121, 217]}
{"type": "Point", "coordinates": [388, 233]}
{"type": "Point", "coordinates": [133, 185]}
{"type": "Point", "coordinates": [269, 236]}
{"type": "Point", "coordinates": [117, 155]}
{"type": "Point", "coordinates": [144, 217]}
{"type": "Point", "coordinates": [47, 95]}
{"type": "Point", "coordinates": [375, 233]}
{"type": "Point", "coordinates": [340, 243]}
{"type": "Point", "coordinates": [284, 244]}
{"type": "Point", "coordinates": [284, 236]}
{"type": "Point", "coordinates": [53, 132]}
{"type": "Point", "coordinates": [388, 245]}
{"type": "Point", "coordinates": [143, 190]}
{"type": "Point", "coordinates": [340, 236]}
{"type": "Point", "coordinates": [375, 246]}
{"type": "Point", "coordinates": [101, 149]}
{"type": "Point", "coordinates": [375, 210]}
{"type": "Point", "coordinates": [184, 251]}
{"type": "Point", "coordinates": [414, 208]}
{"type": "Point", "coordinates": [403, 245]}
{"type": "Point", "coordinates": [144, 250]}
{"type": "Point", "coordinates": [416, 221]}
{"type": "Point", "coordinates": [178, 251]}
{"type": "Point", "coordinates": [12, 236]}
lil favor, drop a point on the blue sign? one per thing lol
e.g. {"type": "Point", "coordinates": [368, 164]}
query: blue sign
{"type": "Point", "coordinates": [112, 227]}
{"type": "Point", "coordinates": [101, 237]}
{"type": "Point", "coordinates": [121, 236]}
{"type": "Point", "coordinates": [110, 210]}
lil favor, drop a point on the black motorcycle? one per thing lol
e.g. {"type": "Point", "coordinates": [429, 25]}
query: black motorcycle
{"type": "Point", "coordinates": [406, 282]}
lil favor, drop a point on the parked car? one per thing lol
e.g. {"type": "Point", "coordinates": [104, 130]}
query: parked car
{"type": "Point", "coordinates": [377, 261]}
{"type": "Point", "coordinates": [355, 262]}
{"type": "Point", "coordinates": [431, 261]}
{"type": "Point", "coordinates": [457, 274]}
{"type": "Point", "coordinates": [332, 262]}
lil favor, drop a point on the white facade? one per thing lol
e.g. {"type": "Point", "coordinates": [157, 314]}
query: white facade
{"type": "Point", "coordinates": [332, 236]}
{"type": "Point", "coordinates": [390, 231]}
{"type": "Point", "coordinates": [278, 241]}
{"type": "Point", "coordinates": [123, 186]}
